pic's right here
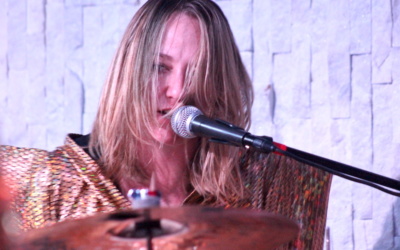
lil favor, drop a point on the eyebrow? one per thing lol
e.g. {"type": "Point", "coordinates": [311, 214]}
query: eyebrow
{"type": "Point", "coordinates": [165, 56]}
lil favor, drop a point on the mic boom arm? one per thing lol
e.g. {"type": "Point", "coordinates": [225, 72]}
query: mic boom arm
{"type": "Point", "coordinates": [189, 122]}
{"type": "Point", "coordinates": [265, 144]}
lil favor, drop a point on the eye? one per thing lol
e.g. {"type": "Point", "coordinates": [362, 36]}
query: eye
{"type": "Point", "coordinates": [161, 68]}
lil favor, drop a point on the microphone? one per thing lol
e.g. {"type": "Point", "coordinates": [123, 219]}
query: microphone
{"type": "Point", "coordinates": [189, 122]}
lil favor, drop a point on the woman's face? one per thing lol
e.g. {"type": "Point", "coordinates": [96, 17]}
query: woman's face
{"type": "Point", "coordinates": [179, 48]}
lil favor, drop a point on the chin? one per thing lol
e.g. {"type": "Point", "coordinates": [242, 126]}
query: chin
{"type": "Point", "coordinates": [167, 137]}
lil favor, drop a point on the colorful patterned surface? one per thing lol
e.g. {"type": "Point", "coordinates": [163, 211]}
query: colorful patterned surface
{"type": "Point", "coordinates": [54, 186]}
{"type": "Point", "coordinates": [295, 190]}
{"type": "Point", "coordinates": [66, 184]}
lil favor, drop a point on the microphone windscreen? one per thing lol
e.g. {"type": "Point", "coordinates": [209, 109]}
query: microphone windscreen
{"type": "Point", "coordinates": [181, 120]}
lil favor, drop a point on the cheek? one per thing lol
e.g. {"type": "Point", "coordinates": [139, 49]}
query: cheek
{"type": "Point", "coordinates": [161, 84]}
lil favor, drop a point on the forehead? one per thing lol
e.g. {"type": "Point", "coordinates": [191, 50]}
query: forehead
{"type": "Point", "coordinates": [182, 34]}
{"type": "Point", "coordinates": [183, 22]}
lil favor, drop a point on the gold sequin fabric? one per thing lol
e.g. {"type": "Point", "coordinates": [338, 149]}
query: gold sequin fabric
{"type": "Point", "coordinates": [50, 187]}
{"type": "Point", "coordinates": [281, 185]}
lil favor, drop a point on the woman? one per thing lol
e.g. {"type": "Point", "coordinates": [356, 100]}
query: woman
{"type": "Point", "coordinates": [173, 53]}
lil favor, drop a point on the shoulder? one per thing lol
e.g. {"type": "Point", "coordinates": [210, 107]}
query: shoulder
{"type": "Point", "coordinates": [19, 154]}
{"type": "Point", "coordinates": [17, 161]}
{"type": "Point", "coordinates": [20, 164]}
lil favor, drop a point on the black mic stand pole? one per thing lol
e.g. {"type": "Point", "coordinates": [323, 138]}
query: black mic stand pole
{"type": "Point", "coordinates": [265, 144]}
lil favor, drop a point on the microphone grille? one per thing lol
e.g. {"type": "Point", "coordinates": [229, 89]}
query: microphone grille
{"type": "Point", "coordinates": [181, 119]}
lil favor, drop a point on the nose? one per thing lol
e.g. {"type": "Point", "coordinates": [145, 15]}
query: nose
{"type": "Point", "coordinates": [175, 84]}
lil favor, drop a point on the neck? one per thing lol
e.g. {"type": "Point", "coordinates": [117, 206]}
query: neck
{"type": "Point", "coordinates": [169, 167]}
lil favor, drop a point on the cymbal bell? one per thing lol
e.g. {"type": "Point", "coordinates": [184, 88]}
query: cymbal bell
{"type": "Point", "coordinates": [167, 228]}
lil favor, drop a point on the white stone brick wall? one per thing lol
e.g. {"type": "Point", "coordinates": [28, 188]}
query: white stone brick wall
{"type": "Point", "coordinates": [326, 75]}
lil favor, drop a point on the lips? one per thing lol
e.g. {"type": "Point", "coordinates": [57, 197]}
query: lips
{"type": "Point", "coordinates": [163, 111]}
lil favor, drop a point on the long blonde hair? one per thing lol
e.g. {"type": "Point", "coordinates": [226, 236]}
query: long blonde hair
{"type": "Point", "coordinates": [217, 83]}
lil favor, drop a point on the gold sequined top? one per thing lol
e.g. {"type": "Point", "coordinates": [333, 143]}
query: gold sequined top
{"type": "Point", "coordinates": [50, 187]}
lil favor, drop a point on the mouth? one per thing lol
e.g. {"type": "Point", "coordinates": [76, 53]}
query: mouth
{"type": "Point", "coordinates": [163, 111]}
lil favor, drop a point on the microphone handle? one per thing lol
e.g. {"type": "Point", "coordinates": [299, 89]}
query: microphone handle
{"type": "Point", "coordinates": [217, 130]}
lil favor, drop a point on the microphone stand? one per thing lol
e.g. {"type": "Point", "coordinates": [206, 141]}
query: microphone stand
{"type": "Point", "coordinates": [265, 144]}
{"type": "Point", "coordinates": [189, 120]}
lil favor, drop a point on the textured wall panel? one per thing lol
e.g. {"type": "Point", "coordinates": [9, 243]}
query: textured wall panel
{"type": "Point", "coordinates": [242, 19]}
{"type": "Point", "coordinates": [395, 105]}
{"type": "Point", "coordinates": [339, 58]}
{"type": "Point", "coordinates": [381, 41]}
{"type": "Point", "coordinates": [360, 26]}
{"type": "Point", "coordinates": [3, 67]}
{"type": "Point", "coordinates": [301, 61]}
{"type": "Point", "coordinates": [280, 28]}
{"type": "Point", "coordinates": [55, 61]}
{"type": "Point", "coordinates": [383, 233]}
{"type": "Point", "coordinates": [283, 82]}
{"type": "Point", "coordinates": [36, 67]}
{"type": "Point", "coordinates": [92, 30]}
{"type": "Point", "coordinates": [361, 133]}
{"type": "Point", "coordinates": [325, 73]}
{"type": "Point", "coordinates": [341, 209]}
{"type": "Point", "coordinates": [396, 23]}
{"type": "Point", "coordinates": [264, 105]}
{"type": "Point", "coordinates": [17, 34]}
